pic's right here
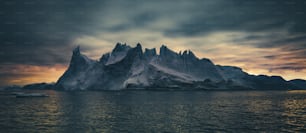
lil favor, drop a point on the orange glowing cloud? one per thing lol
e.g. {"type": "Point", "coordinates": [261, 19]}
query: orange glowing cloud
{"type": "Point", "coordinates": [25, 74]}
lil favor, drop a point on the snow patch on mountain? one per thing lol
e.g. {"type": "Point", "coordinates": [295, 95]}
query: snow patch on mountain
{"type": "Point", "coordinates": [117, 54]}
{"type": "Point", "coordinates": [184, 76]}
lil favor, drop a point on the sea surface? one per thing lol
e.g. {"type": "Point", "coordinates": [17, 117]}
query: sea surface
{"type": "Point", "coordinates": [155, 111]}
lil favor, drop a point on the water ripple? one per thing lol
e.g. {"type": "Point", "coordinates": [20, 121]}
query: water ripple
{"type": "Point", "coordinates": [149, 111]}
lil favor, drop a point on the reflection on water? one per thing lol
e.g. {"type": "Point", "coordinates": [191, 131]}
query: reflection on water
{"type": "Point", "coordinates": [149, 111]}
{"type": "Point", "coordinates": [295, 110]}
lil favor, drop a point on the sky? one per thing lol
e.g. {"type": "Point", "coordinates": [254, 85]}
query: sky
{"type": "Point", "coordinates": [262, 37]}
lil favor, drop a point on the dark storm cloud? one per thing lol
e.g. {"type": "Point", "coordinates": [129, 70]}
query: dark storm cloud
{"type": "Point", "coordinates": [31, 31]}
{"type": "Point", "coordinates": [285, 66]}
{"type": "Point", "coordinates": [39, 32]}
{"type": "Point", "coordinates": [137, 21]}
{"type": "Point", "coordinates": [43, 33]}
{"type": "Point", "coordinates": [270, 56]}
{"type": "Point", "coordinates": [291, 41]}
{"type": "Point", "coordinates": [245, 15]}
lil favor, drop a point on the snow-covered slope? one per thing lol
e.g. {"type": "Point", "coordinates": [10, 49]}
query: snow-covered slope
{"type": "Point", "coordinates": [117, 54]}
{"type": "Point", "coordinates": [128, 67]}
{"type": "Point", "coordinates": [77, 75]}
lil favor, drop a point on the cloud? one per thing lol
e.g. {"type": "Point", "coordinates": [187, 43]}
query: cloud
{"type": "Point", "coordinates": [245, 33]}
{"type": "Point", "coordinates": [244, 15]}
{"type": "Point", "coordinates": [25, 74]}
{"type": "Point", "coordinates": [40, 25]}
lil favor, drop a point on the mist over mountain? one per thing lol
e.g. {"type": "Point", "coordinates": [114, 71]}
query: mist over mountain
{"type": "Point", "coordinates": [127, 67]}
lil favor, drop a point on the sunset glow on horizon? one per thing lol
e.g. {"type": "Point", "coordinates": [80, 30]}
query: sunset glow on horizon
{"type": "Point", "coordinates": [261, 37]}
{"type": "Point", "coordinates": [263, 66]}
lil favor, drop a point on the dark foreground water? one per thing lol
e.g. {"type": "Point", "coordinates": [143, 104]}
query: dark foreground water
{"type": "Point", "coordinates": [150, 111]}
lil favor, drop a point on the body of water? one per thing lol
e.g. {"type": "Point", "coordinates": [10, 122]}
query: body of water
{"type": "Point", "coordinates": [155, 111]}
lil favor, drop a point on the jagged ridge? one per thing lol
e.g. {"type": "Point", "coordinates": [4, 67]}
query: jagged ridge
{"type": "Point", "coordinates": [131, 68]}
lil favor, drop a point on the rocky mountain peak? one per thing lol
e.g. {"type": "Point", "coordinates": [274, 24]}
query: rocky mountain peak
{"type": "Point", "coordinates": [76, 51]}
{"type": "Point", "coordinates": [127, 67]}
{"type": "Point", "coordinates": [150, 52]}
{"type": "Point", "coordinates": [120, 47]}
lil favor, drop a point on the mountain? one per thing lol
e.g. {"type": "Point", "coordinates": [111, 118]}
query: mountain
{"type": "Point", "coordinates": [128, 67]}
{"type": "Point", "coordinates": [299, 83]}
{"type": "Point", "coordinates": [39, 86]}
